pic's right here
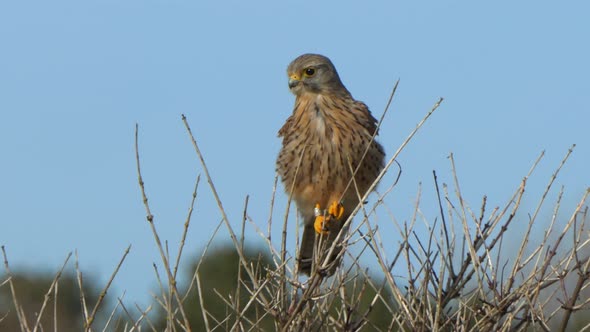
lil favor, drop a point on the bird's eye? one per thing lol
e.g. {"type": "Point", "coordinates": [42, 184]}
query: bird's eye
{"type": "Point", "coordinates": [309, 72]}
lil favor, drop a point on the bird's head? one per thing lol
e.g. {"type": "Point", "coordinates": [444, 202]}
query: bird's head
{"type": "Point", "coordinates": [313, 73]}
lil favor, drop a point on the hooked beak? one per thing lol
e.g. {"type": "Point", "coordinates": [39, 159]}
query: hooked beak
{"type": "Point", "coordinates": [293, 81]}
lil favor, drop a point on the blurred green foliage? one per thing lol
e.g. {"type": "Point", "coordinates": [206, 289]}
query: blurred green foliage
{"type": "Point", "coordinates": [63, 309]}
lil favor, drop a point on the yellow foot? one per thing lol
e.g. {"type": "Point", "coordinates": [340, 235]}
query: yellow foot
{"type": "Point", "coordinates": [322, 221]}
{"type": "Point", "coordinates": [336, 210]}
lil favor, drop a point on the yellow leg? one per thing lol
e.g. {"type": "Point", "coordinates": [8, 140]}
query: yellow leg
{"type": "Point", "coordinates": [335, 212]}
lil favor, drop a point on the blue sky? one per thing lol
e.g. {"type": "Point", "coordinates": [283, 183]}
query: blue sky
{"type": "Point", "coordinates": [75, 78]}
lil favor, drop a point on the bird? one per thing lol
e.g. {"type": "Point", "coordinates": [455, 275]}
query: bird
{"type": "Point", "coordinates": [326, 138]}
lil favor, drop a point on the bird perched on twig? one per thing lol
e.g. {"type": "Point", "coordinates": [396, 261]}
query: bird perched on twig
{"type": "Point", "coordinates": [328, 138]}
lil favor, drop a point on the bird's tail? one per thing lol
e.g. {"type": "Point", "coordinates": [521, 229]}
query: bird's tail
{"type": "Point", "coordinates": [305, 259]}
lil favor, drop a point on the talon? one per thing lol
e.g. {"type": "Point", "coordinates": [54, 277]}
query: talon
{"type": "Point", "coordinates": [320, 225]}
{"type": "Point", "coordinates": [336, 210]}
{"type": "Point", "coordinates": [320, 221]}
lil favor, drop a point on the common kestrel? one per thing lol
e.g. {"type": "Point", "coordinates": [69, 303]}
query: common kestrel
{"type": "Point", "coordinates": [325, 139]}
